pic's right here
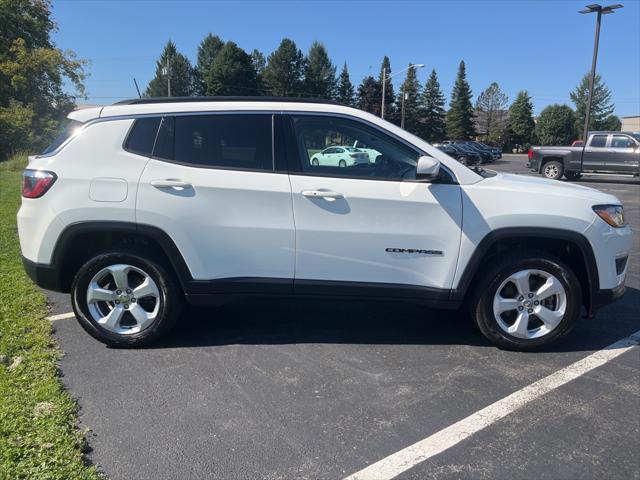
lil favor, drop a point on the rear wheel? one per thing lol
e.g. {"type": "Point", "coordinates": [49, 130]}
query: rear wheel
{"type": "Point", "coordinates": [124, 299]}
{"type": "Point", "coordinates": [552, 170]}
{"type": "Point", "coordinates": [527, 302]}
{"type": "Point", "coordinates": [314, 161]}
{"type": "Point", "coordinates": [342, 163]}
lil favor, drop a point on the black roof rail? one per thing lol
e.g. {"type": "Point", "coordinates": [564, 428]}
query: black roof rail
{"type": "Point", "coordinates": [144, 101]}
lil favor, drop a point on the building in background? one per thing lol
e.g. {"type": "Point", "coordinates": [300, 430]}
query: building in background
{"type": "Point", "coordinates": [631, 124]}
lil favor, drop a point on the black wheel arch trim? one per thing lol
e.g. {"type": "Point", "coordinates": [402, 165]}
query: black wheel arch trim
{"type": "Point", "coordinates": [508, 233]}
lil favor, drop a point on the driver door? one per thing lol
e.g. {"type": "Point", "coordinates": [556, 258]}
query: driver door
{"type": "Point", "coordinates": [369, 223]}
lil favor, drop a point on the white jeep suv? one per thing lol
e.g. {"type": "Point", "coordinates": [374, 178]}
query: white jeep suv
{"type": "Point", "coordinates": [141, 205]}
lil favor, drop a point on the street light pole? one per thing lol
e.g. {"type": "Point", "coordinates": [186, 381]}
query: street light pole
{"type": "Point", "coordinates": [599, 10]}
{"type": "Point", "coordinates": [385, 79]}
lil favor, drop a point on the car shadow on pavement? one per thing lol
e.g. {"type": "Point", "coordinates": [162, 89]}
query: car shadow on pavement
{"type": "Point", "coordinates": [291, 321]}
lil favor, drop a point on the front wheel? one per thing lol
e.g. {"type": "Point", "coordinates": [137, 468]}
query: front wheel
{"type": "Point", "coordinates": [123, 299]}
{"type": "Point", "coordinates": [552, 170]}
{"type": "Point", "coordinates": [527, 302]}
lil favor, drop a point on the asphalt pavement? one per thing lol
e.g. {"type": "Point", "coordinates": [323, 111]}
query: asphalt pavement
{"type": "Point", "coordinates": [316, 389]}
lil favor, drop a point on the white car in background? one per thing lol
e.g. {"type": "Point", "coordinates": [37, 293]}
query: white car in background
{"type": "Point", "coordinates": [340, 157]}
{"type": "Point", "coordinates": [373, 154]}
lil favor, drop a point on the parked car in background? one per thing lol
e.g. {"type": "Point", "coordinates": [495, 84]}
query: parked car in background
{"type": "Point", "coordinates": [577, 143]}
{"type": "Point", "coordinates": [486, 154]}
{"type": "Point", "coordinates": [372, 152]}
{"type": "Point", "coordinates": [494, 153]}
{"type": "Point", "coordinates": [464, 157]}
{"type": "Point", "coordinates": [605, 152]}
{"type": "Point", "coordinates": [340, 157]}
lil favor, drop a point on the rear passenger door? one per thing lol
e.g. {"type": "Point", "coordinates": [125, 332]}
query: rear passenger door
{"type": "Point", "coordinates": [595, 154]}
{"type": "Point", "coordinates": [213, 187]}
{"type": "Point", "coordinates": [625, 153]}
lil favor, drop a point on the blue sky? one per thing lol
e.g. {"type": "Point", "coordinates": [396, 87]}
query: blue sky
{"type": "Point", "coordinates": [541, 46]}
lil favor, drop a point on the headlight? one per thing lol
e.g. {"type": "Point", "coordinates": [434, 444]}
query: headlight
{"type": "Point", "coordinates": [612, 214]}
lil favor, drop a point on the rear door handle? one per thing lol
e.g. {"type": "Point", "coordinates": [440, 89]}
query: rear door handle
{"type": "Point", "coordinates": [328, 194]}
{"type": "Point", "coordinates": [170, 183]}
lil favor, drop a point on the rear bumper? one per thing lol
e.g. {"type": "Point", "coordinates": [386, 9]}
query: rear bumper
{"type": "Point", "coordinates": [44, 276]}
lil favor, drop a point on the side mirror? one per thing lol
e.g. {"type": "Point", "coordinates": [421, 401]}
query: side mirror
{"type": "Point", "coordinates": [428, 168]}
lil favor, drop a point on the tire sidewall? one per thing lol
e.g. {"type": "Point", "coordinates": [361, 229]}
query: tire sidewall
{"type": "Point", "coordinates": [558, 165]}
{"type": "Point", "coordinates": [167, 298]}
{"type": "Point", "coordinates": [485, 317]}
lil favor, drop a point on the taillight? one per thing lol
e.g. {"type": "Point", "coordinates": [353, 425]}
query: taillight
{"type": "Point", "coordinates": [530, 154]}
{"type": "Point", "coordinates": [35, 183]}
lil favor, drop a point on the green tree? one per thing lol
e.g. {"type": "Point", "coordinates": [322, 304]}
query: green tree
{"type": "Point", "coordinates": [345, 91]}
{"type": "Point", "coordinates": [601, 105]}
{"type": "Point", "coordinates": [521, 124]}
{"type": "Point", "coordinates": [283, 75]}
{"type": "Point", "coordinates": [232, 72]}
{"type": "Point", "coordinates": [491, 114]}
{"type": "Point", "coordinates": [33, 73]}
{"type": "Point", "coordinates": [259, 63]}
{"type": "Point", "coordinates": [556, 125]}
{"type": "Point", "coordinates": [207, 51]}
{"type": "Point", "coordinates": [460, 123]}
{"type": "Point", "coordinates": [369, 95]}
{"type": "Point", "coordinates": [413, 112]}
{"type": "Point", "coordinates": [390, 110]}
{"type": "Point", "coordinates": [320, 73]}
{"type": "Point", "coordinates": [178, 69]}
{"type": "Point", "coordinates": [434, 114]}
{"type": "Point", "coordinates": [612, 123]}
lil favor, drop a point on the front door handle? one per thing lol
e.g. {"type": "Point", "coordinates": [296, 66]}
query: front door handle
{"type": "Point", "coordinates": [328, 194]}
{"type": "Point", "coordinates": [170, 183]}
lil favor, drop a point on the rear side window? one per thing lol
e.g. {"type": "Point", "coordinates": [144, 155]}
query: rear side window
{"type": "Point", "coordinates": [142, 136]}
{"type": "Point", "coordinates": [242, 141]}
{"type": "Point", "coordinates": [69, 128]}
{"type": "Point", "coordinates": [599, 141]}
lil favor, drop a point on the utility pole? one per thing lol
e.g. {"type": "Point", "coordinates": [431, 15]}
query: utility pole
{"type": "Point", "coordinates": [385, 79]}
{"type": "Point", "coordinates": [599, 10]}
{"type": "Point", "coordinates": [404, 97]}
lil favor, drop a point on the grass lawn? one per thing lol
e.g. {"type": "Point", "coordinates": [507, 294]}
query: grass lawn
{"type": "Point", "coordinates": [38, 435]}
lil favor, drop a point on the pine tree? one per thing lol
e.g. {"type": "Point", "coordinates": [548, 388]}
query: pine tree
{"type": "Point", "coordinates": [283, 75]}
{"type": "Point", "coordinates": [491, 113]}
{"type": "Point", "coordinates": [601, 105]}
{"type": "Point", "coordinates": [345, 91]}
{"type": "Point", "coordinates": [390, 110]}
{"type": "Point", "coordinates": [369, 94]}
{"type": "Point", "coordinates": [259, 63]}
{"type": "Point", "coordinates": [434, 114]}
{"type": "Point", "coordinates": [460, 125]}
{"type": "Point", "coordinates": [413, 113]}
{"type": "Point", "coordinates": [556, 125]}
{"type": "Point", "coordinates": [232, 72]}
{"type": "Point", "coordinates": [180, 73]}
{"type": "Point", "coordinates": [207, 51]}
{"type": "Point", "coordinates": [521, 122]}
{"type": "Point", "coordinates": [320, 73]}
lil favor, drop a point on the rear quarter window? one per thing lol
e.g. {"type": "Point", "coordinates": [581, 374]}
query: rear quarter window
{"type": "Point", "coordinates": [142, 136]}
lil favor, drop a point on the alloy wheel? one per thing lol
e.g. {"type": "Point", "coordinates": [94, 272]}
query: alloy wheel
{"type": "Point", "coordinates": [530, 304]}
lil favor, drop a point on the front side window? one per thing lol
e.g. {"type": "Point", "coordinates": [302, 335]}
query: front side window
{"type": "Point", "coordinates": [621, 141]}
{"type": "Point", "coordinates": [599, 141]}
{"type": "Point", "coordinates": [335, 146]}
{"type": "Point", "coordinates": [235, 141]}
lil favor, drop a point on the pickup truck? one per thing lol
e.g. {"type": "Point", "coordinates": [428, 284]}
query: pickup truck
{"type": "Point", "coordinates": [605, 152]}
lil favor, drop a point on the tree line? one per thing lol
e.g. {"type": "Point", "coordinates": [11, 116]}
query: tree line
{"type": "Point", "coordinates": [223, 68]}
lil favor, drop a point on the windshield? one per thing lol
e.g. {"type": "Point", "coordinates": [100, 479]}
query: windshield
{"type": "Point", "coordinates": [68, 128]}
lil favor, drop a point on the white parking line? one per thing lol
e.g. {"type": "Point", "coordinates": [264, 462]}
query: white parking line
{"type": "Point", "coordinates": [401, 461]}
{"type": "Point", "coordinates": [61, 316]}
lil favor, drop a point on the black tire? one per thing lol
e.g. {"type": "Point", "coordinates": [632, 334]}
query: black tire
{"type": "Point", "coordinates": [171, 299]}
{"type": "Point", "coordinates": [572, 176]}
{"type": "Point", "coordinates": [342, 163]}
{"type": "Point", "coordinates": [487, 286]}
{"type": "Point", "coordinates": [552, 170]}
